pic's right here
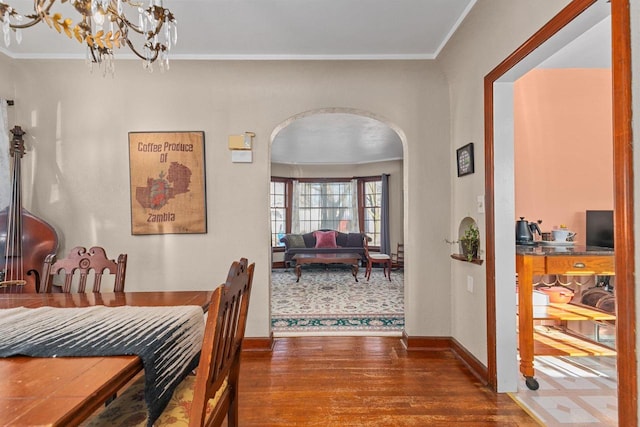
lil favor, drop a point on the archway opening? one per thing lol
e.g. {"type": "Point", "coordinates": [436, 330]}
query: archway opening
{"type": "Point", "coordinates": [323, 154]}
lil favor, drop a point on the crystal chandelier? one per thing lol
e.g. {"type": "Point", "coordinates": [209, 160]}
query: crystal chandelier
{"type": "Point", "coordinates": [103, 27]}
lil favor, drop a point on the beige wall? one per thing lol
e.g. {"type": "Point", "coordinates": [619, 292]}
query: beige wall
{"type": "Point", "coordinates": [393, 168]}
{"type": "Point", "coordinates": [7, 85]}
{"type": "Point", "coordinates": [6, 78]}
{"type": "Point", "coordinates": [6, 92]}
{"type": "Point", "coordinates": [492, 31]}
{"type": "Point", "coordinates": [563, 146]}
{"type": "Point", "coordinates": [76, 173]}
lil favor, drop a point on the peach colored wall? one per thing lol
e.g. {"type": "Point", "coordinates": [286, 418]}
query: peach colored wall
{"type": "Point", "coordinates": [563, 146]}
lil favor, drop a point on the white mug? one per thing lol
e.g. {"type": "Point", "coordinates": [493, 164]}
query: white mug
{"type": "Point", "coordinates": [562, 235]}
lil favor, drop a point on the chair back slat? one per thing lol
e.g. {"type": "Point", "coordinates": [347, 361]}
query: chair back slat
{"type": "Point", "coordinates": [120, 273]}
{"type": "Point", "coordinates": [67, 281]}
{"type": "Point", "coordinates": [83, 280]}
{"type": "Point", "coordinates": [97, 281]}
{"type": "Point", "coordinates": [221, 347]}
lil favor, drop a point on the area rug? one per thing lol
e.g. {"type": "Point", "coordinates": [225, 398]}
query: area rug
{"type": "Point", "coordinates": [574, 391]}
{"type": "Point", "coordinates": [328, 301]}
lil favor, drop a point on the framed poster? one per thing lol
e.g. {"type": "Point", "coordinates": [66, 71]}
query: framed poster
{"type": "Point", "coordinates": [464, 157]}
{"type": "Point", "coordinates": [167, 179]}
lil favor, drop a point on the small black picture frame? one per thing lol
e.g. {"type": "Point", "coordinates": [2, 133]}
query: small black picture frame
{"type": "Point", "coordinates": [464, 159]}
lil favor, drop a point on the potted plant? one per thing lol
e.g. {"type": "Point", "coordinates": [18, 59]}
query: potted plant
{"type": "Point", "coordinates": [470, 242]}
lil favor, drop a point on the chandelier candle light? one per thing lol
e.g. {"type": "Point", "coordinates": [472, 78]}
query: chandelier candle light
{"type": "Point", "coordinates": [103, 27]}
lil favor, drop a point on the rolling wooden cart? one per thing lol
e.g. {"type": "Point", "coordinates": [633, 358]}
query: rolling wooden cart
{"type": "Point", "coordinates": [572, 261]}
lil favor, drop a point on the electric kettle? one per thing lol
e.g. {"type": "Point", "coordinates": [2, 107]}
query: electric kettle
{"type": "Point", "coordinates": [524, 231]}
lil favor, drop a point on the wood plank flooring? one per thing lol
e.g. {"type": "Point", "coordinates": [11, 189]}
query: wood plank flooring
{"type": "Point", "coordinates": [365, 381]}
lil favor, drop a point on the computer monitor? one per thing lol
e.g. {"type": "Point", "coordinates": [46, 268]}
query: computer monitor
{"type": "Point", "coordinates": [600, 228]}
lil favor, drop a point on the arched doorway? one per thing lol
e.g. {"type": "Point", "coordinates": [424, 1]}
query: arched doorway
{"type": "Point", "coordinates": [337, 144]}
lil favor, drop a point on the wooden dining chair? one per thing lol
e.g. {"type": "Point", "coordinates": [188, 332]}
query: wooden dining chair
{"type": "Point", "coordinates": [397, 258]}
{"type": "Point", "coordinates": [376, 258]}
{"type": "Point", "coordinates": [212, 394]}
{"type": "Point", "coordinates": [78, 266]}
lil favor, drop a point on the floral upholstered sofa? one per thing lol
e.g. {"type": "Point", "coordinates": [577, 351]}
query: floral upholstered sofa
{"type": "Point", "coordinates": [322, 241]}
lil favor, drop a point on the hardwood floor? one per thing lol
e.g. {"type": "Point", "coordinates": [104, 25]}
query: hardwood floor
{"type": "Point", "coordinates": [365, 381]}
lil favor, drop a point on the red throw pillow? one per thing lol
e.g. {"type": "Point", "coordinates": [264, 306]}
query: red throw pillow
{"type": "Point", "coordinates": [325, 239]}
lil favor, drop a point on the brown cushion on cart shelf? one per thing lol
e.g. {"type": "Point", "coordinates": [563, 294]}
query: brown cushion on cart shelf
{"type": "Point", "coordinates": [607, 303]}
{"type": "Point", "coordinates": [592, 295]}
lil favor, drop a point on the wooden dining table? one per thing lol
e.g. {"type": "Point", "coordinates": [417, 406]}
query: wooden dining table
{"type": "Point", "coordinates": [64, 391]}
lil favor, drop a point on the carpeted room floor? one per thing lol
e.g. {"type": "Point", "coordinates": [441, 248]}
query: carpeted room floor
{"type": "Point", "coordinates": [328, 301]}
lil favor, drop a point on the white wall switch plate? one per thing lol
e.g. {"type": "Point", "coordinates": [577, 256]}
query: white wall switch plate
{"type": "Point", "coordinates": [470, 284]}
{"type": "Point", "coordinates": [480, 204]}
{"type": "Point", "coordinates": [242, 156]}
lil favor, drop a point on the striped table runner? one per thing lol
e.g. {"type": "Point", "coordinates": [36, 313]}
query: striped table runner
{"type": "Point", "coordinates": [167, 339]}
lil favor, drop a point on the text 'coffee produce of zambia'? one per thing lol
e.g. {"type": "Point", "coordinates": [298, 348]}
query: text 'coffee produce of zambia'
{"type": "Point", "coordinates": [163, 217]}
{"type": "Point", "coordinates": [150, 147]}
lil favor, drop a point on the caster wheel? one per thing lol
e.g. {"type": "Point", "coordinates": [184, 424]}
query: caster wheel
{"type": "Point", "coordinates": [532, 383]}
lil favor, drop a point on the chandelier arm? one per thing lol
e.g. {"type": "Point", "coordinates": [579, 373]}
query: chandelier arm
{"type": "Point", "coordinates": [37, 17]}
{"type": "Point", "coordinates": [35, 20]}
{"type": "Point", "coordinates": [123, 20]}
{"type": "Point", "coordinates": [148, 34]}
{"type": "Point", "coordinates": [139, 55]}
{"type": "Point", "coordinates": [94, 59]}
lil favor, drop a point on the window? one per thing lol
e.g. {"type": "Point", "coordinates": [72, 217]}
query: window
{"type": "Point", "coordinates": [326, 205]}
{"type": "Point", "coordinates": [278, 212]}
{"type": "Point", "coordinates": [372, 212]}
{"type": "Point", "coordinates": [341, 204]}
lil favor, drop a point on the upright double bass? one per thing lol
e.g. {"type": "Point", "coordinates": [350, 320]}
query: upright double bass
{"type": "Point", "coordinates": [25, 240]}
